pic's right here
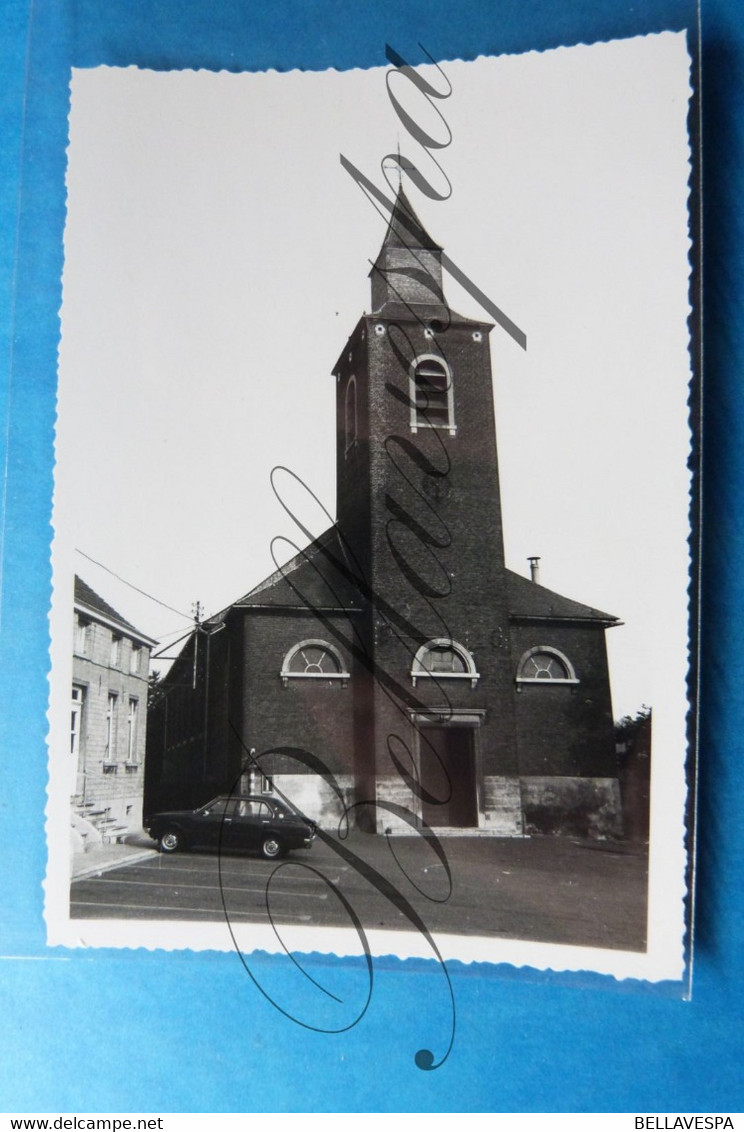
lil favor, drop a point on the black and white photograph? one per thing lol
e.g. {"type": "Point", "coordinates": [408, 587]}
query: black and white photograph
{"type": "Point", "coordinates": [372, 516]}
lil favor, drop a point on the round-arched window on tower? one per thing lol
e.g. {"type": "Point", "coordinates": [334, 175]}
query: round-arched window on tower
{"type": "Point", "coordinates": [431, 395]}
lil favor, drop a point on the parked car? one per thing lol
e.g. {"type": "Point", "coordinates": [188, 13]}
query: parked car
{"type": "Point", "coordinates": [231, 822]}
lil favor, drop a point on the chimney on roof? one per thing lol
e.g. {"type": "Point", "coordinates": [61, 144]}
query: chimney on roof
{"type": "Point", "coordinates": [534, 561]}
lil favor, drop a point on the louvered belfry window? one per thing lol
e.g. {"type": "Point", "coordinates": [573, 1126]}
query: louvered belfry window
{"type": "Point", "coordinates": [432, 405]}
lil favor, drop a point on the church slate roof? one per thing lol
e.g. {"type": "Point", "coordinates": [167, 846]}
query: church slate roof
{"type": "Point", "coordinates": [309, 580]}
{"type": "Point", "coordinates": [530, 601]}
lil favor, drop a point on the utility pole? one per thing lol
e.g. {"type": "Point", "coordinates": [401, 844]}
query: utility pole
{"type": "Point", "coordinates": [197, 626]}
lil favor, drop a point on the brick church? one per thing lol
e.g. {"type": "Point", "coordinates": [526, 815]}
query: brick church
{"type": "Point", "coordinates": [396, 665]}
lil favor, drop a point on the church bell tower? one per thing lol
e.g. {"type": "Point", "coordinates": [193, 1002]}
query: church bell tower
{"type": "Point", "coordinates": [419, 510]}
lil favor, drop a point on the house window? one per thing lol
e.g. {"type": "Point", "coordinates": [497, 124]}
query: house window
{"type": "Point", "coordinates": [82, 635]}
{"type": "Point", "coordinates": [132, 731]}
{"type": "Point", "coordinates": [443, 658]}
{"type": "Point", "coordinates": [109, 756]}
{"type": "Point", "coordinates": [115, 653]}
{"type": "Point", "coordinates": [313, 660]}
{"type": "Point", "coordinates": [430, 394]}
{"type": "Point", "coordinates": [350, 415]}
{"type": "Point", "coordinates": [76, 718]}
{"type": "Point", "coordinates": [135, 659]}
{"type": "Point", "coordinates": [545, 664]}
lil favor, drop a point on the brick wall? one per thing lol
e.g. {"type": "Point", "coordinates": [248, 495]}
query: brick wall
{"type": "Point", "coordinates": [314, 714]}
{"type": "Point", "coordinates": [562, 728]}
{"type": "Point", "coordinates": [436, 554]}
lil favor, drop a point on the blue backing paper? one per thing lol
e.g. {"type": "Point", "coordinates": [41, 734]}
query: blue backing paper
{"type": "Point", "coordinates": [129, 1031]}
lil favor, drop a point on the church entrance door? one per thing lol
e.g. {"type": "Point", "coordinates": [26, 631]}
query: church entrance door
{"type": "Point", "coordinates": [447, 769]}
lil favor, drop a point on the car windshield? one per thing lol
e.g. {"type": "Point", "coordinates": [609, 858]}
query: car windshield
{"type": "Point", "coordinates": [216, 806]}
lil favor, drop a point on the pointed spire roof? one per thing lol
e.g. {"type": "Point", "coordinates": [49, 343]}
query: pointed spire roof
{"type": "Point", "coordinates": [405, 230]}
{"type": "Point", "coordinates": [408, 269]}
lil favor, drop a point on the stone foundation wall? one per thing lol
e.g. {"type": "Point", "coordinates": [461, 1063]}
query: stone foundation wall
{"type": "Point", "coordinates": [313, 797]}
{"type": "Point", "coordinates": [512, 807]}
{"type": "Point", "coordinates": [503, 807]}
{"type": "Point", "coordinates": [502, 816]}
{"type": "Point", "coordinates": [391, 788]}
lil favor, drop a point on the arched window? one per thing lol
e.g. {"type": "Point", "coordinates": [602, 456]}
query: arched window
{"type": "Point", "coordinates": [430, 394]}
{"type": "Point", "coordinates": [443, 658]}
{"type": "Point", "coordinates": [313, 660]}
{"type": "Point", "coordinates": [545, 664]}
{"type": "Point", "coordinates": [350, 415]}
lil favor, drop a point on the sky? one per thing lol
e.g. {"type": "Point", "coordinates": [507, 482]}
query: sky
{"type": "Point", "coordinates": [216, 259]}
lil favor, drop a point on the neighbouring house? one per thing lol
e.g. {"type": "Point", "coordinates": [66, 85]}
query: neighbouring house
{"type": "Point", "coordinates": [396, 665]}
{"type": "Point", "coordinates": [110, 673]}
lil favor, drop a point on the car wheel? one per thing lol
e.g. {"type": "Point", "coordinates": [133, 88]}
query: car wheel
{"type": "Point", "coordinates": [170, 841]}
{"type": "Point", "coordinates": [271, 847]}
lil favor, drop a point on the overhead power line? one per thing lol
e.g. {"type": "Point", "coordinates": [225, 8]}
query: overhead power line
{"type": "Point", "coordinates": [131, 586]}
{"type": "Point", "coordinates": [161, 636]}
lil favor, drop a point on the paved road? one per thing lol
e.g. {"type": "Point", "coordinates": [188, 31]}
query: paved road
{"type": "Point", "coordinates": [586, 893]}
